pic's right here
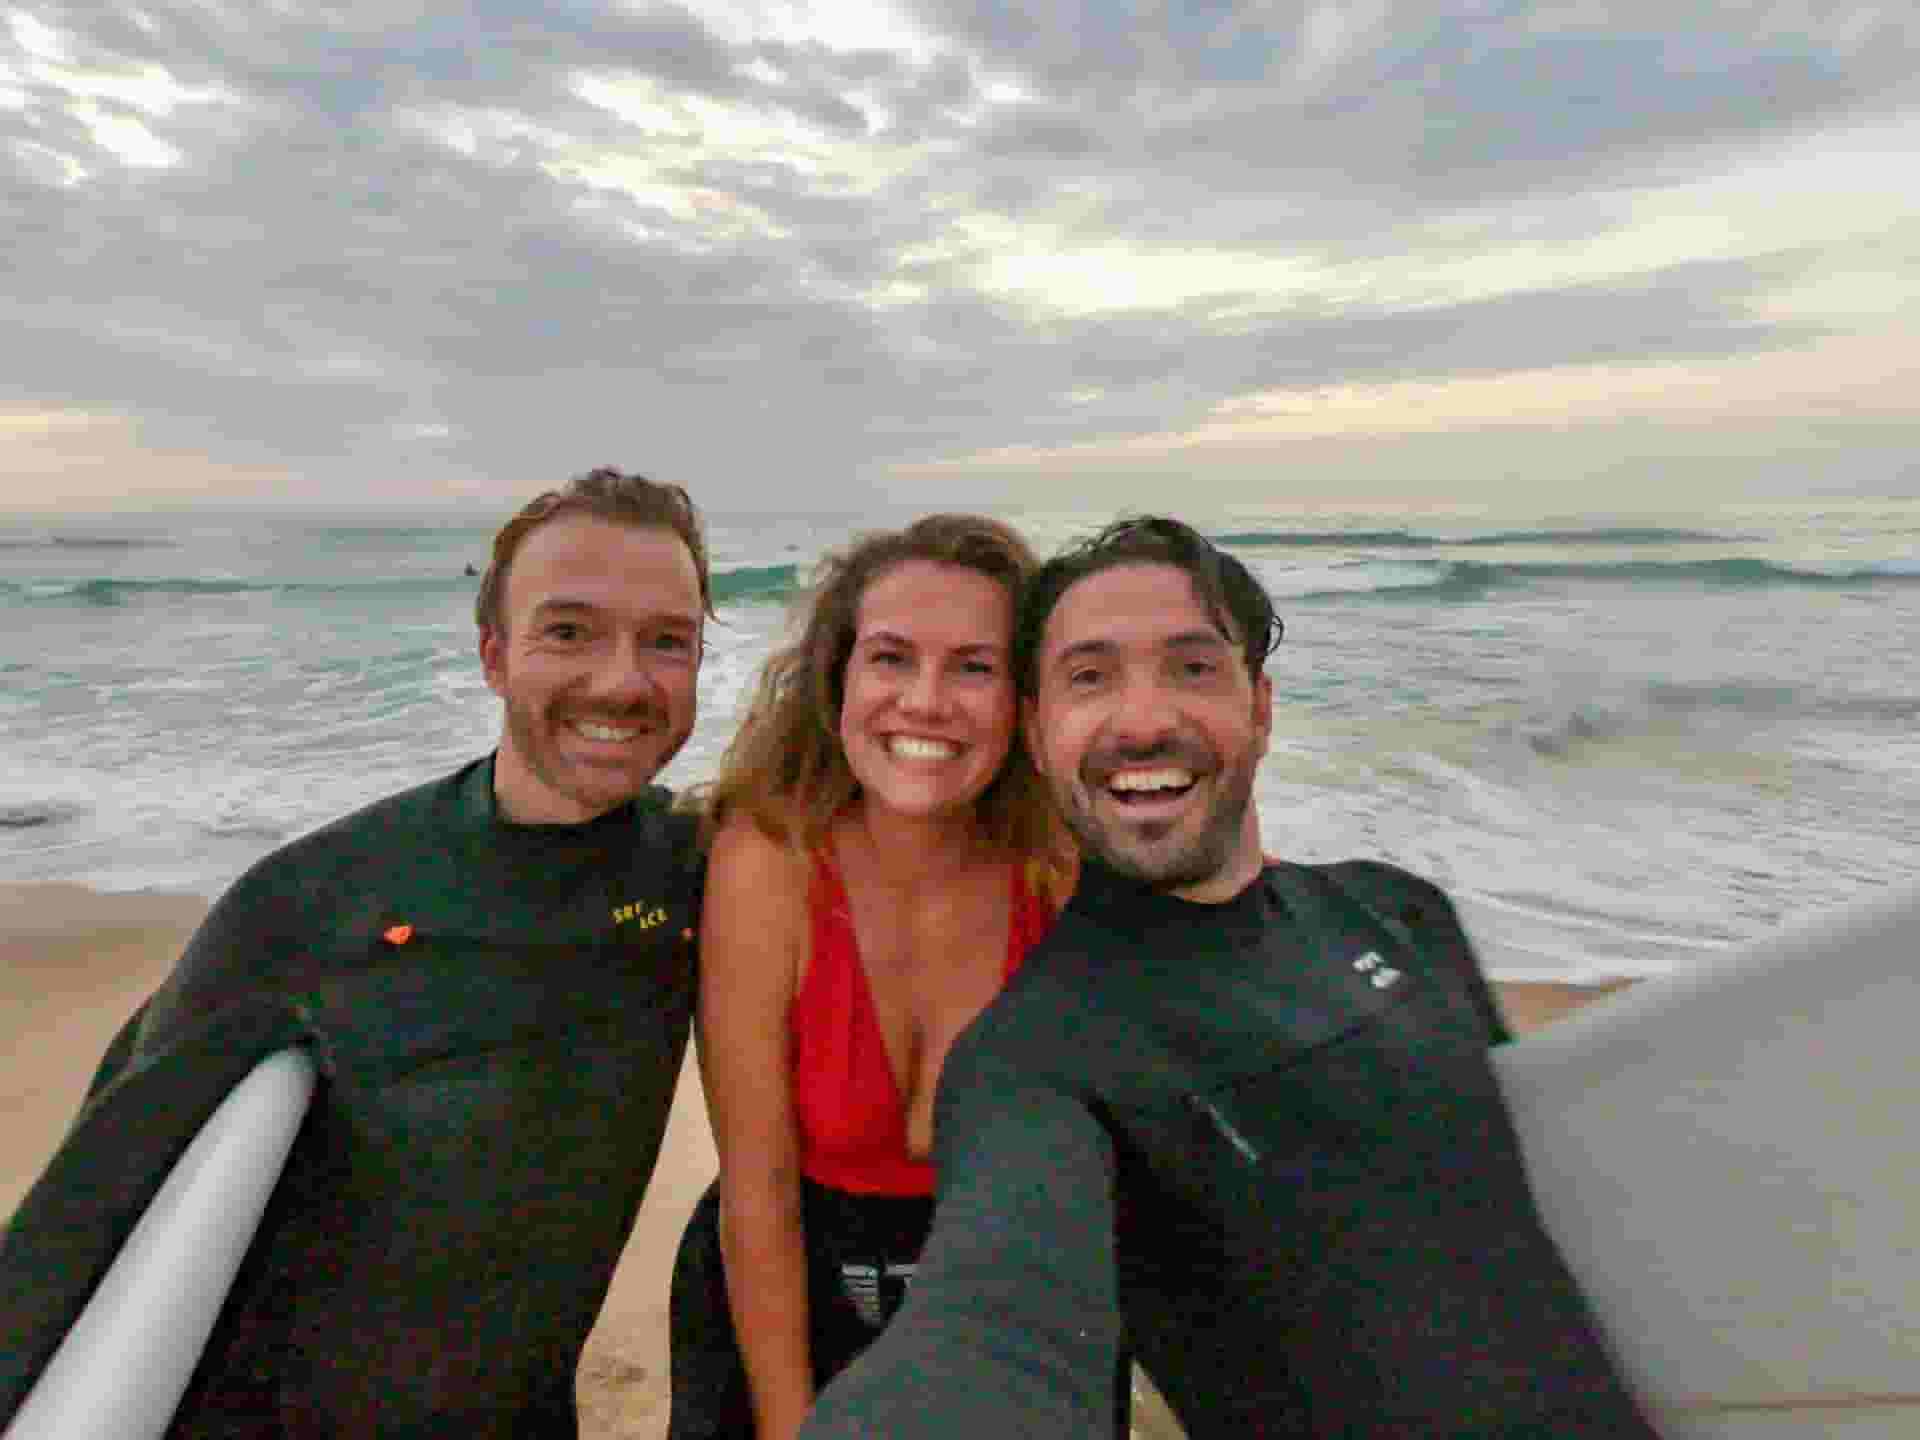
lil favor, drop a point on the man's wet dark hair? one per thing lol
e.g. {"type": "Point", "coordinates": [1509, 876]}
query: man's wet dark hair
{"type": "Point", "coordinates": [1226, 589]}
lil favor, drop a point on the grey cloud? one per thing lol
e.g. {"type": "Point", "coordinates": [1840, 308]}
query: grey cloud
{"type": "Point", "coordinates": [1157, 372]}
{"type": "Point", "coordinates": [1047, 132]}
{"type": "Point", "coordinates": [318, 278]}
{"type": "Point", "coordinates": [1685, 311]}
{"type": "Point", "coordinates": [1440, 106]}
{"type": "Point", "coordinates": [358, 62]}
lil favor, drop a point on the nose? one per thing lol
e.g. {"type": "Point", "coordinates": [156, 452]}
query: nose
{"type": "Point", "coordinates": [1142, 715]}
{"type": "Point", "coordinates": [626, 675]}
{"type": "Point", "coordinates": [925, 692]}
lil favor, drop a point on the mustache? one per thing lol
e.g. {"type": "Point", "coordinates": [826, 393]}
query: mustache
{"type": "Point", "coordinates": [1101, 764]}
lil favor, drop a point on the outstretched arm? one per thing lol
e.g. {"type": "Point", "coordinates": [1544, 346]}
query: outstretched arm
{"type": "Point", "coordinates": [752, 946]}
{"type": "Point", "coordinates": [1012, 1326]}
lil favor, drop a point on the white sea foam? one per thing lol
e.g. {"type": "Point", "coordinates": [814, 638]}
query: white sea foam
{"type": "Point", "coordinates": [1609, 773]}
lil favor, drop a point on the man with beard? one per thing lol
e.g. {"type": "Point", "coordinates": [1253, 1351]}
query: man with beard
{"type": "Point", "coordinates": [493, 975]}
{"type": "Point", "coordinates": [1240, 1113]}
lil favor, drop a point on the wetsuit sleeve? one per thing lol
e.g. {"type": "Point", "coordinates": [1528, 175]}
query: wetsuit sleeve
{"type": "Point", "coordinates": [1012, 1325]}
{"type": "Point", "coordinates": [240, 950]}
{"type": "Point", "coordinates": [118, 1052]}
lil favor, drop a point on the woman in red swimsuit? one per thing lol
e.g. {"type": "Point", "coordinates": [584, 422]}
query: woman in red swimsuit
{"type": "Point", "coordinates": [883, 857]}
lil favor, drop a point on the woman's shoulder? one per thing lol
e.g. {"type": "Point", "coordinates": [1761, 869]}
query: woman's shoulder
{"type": "Point", "coordinates": [750, 862]}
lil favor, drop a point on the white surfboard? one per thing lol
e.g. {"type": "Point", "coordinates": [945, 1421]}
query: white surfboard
{"type": "Point", "coordinates": [1730, 1159]}
{"type": "Point", "coordinates": [122, 1368]}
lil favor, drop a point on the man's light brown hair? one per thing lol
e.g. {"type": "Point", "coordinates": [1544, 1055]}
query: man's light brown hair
{"type": "Point", "coordinates": [606, 494]}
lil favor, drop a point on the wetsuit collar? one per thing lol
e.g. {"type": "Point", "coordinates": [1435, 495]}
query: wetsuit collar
{"type": "Point", "coordinates": [480, 808]}
{"type": "Point", "coordinates": [1116, 901]}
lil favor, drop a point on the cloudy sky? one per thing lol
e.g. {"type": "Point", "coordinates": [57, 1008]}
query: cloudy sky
{"type": "Point", "coordinates": [981, 250]}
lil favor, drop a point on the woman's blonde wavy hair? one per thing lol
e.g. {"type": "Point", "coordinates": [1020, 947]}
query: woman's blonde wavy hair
{"type": "Point", "coordinates": [785, 767]}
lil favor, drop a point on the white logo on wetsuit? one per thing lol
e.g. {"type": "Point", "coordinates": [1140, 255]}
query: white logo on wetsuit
{"type": "Point", "coordinates": [1378, 972]}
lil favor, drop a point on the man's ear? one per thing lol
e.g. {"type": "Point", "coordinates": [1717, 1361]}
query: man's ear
{"type": "Point", "coordinates": [1263, 709]}
{"type": "Point", "coordinates": [493, 647]}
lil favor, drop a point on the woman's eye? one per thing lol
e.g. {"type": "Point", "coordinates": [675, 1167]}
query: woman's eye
{"type": "Point", "coordinates": [561, 630]}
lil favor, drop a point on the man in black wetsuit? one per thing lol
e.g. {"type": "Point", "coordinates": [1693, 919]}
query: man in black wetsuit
{"type": "Point", "coordinates": [493, 974]}
{"type": "Point", "coordinates": [1240, 1113]}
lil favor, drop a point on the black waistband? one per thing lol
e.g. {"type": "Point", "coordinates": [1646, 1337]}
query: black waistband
{"type": "Point", "coordinates": [870, 1228]}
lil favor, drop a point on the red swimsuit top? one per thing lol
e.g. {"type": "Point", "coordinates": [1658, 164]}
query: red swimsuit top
{"type": "Point", "coordinates": [848, 1107]}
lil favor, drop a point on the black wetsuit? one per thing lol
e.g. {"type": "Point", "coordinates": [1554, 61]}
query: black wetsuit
{"type": "Point", "coordinates": [860, 1251]}
{"type": "Point", "coordinates": [1264, 1140]}
{"type": "Point", "coordinates": [498, 1014]}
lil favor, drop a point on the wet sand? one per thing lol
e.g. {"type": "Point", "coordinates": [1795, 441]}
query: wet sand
{"type": "Point", "coordinates": [74, 964]}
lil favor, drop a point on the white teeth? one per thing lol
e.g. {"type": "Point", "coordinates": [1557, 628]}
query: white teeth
{"type": "Point", "coordinates": [604, 732]}
{"type": "Point", "coordinates": [912, 747]}
{"type": "Point", "coordinates": [1168, 779]}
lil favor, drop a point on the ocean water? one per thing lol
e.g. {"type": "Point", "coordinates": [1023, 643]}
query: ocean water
{"type": "Point", "coordinates": [1621, 741]}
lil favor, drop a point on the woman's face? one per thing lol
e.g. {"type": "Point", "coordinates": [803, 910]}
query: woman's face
{"type": "Point", "coordinates": [928, 712]}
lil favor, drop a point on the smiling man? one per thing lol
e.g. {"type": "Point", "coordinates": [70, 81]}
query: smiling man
{"type": "Point", "coordinates": [1240, 1112]}
{"type": "Point", "coordinates": [493, 973]}
{"type": "Point", "coordinates": [1154, 771]}
{"type": "Point", "coordinates": [590, 630]}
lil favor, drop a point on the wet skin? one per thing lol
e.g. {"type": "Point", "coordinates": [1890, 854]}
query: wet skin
{"type": "Point", "coordinates": [597, 661]}
{"type": "Point", "coordinates": [1149, 728]}
{"type": "Point", "coordinates": [928, 713]}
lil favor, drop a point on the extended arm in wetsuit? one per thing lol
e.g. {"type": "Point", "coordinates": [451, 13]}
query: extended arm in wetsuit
{"type": "Point", "coordinates": [1012, 1326]}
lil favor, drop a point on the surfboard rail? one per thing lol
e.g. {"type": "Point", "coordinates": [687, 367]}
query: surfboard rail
{"type": "Point", "coordinates": [121, 1369]}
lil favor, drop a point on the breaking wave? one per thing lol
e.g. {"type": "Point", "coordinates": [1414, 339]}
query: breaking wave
{"type": "Point", "coordinates": [1415, 540]}
{"type": "Point", "coordinates": [1466, 580]}
{"type": "Point", "coordinates": [744, 584]}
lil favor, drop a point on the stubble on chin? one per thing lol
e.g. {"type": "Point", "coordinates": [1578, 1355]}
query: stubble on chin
{"type": "Point", "coordinates": [1175, 869]}
{"type": "Point", "coordinates": [538, 752]}
{"type": "Point", "coordinates": [1137, 856]}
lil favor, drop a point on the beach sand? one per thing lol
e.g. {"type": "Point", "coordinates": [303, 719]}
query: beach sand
{"type": "Point", "coordinates": [74, 964]}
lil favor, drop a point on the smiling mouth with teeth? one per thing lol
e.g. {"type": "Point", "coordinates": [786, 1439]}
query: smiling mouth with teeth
{"type": "Point", "coordinates": [1159, 784]}
{"type": "Point", "coordinates": [912, 747]}
{"type": "Point", "coordinates": [612, 734]}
